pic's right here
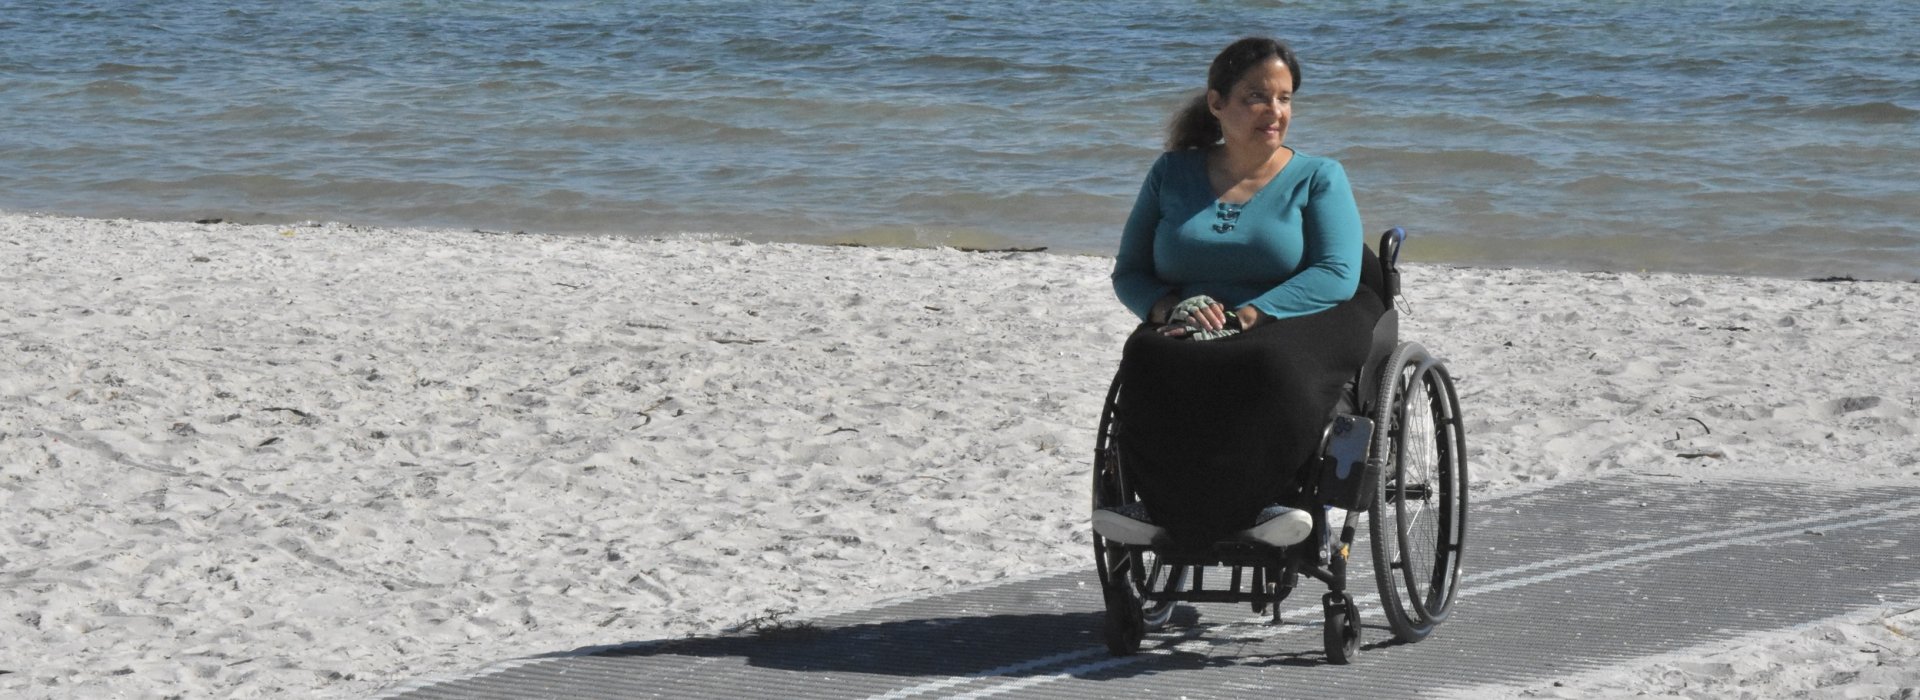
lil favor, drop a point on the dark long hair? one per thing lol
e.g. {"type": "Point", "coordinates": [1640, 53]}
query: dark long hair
{"type": "Point", "coordinates": [1194, 126]}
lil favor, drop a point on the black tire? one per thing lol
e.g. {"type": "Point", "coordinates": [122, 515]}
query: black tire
{"type": "Point", "coordinates": [1341, 629]}
{"type": "Point", "coordinates": [1127, 574]}
{"type": "Point", "coordinates": [1418, 520]}
{"type": "Point", "coordinates": [1125, 625]}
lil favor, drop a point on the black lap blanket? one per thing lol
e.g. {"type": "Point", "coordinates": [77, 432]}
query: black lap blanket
{"type": "Point", "coordinates": [1213, 431]}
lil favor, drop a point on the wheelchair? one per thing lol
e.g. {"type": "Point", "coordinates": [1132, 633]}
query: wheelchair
{"type": "Point", "coordinates": [1394, 451]}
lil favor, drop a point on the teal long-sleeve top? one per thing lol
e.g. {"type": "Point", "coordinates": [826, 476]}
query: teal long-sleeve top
{"type": "Point", "coordinates": [1293, 249]}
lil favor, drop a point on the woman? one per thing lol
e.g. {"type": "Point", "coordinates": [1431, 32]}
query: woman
{"type": "Point", "coordinates": [1240, 241]}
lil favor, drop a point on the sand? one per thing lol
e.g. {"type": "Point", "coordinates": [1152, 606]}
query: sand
{"type": "Point", "coordinates": [322, 460]}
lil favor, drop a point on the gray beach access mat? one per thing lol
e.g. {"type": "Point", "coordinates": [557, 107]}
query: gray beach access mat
{"type": "Point", "coordinates": [1572, 577]}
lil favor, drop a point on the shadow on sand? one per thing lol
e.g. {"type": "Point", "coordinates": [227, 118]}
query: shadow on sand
{"type": "Point", "coordinates": [1011, 645]}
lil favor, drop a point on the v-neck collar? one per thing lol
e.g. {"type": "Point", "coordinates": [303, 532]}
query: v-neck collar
{"type": "Point", "coordinates": [1207, 182]}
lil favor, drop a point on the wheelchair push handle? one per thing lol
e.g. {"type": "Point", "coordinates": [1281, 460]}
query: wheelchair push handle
{"type": "Point", "coordinates": [1390, 245]}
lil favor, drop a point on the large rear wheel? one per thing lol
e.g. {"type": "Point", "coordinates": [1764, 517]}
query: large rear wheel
{"type": "Point", "coordinates": [1128, 574]}
{"type": "Point", "coordinates": [1418, 516]}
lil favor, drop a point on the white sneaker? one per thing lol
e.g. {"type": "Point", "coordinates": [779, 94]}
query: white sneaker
{"type": "Point", "coordinates": [1126, 524]}
{"type": "Point", "coordinates": [1280, 526]}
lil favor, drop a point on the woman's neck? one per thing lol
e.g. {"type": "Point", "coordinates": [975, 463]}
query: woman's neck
{"type": "Point", "coordinates": [1248, 162]}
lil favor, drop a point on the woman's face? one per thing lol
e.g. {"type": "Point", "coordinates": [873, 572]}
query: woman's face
{"type": "Point", "coordinates": [1259, 107]}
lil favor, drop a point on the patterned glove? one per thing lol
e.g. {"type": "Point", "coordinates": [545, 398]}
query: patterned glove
{"type": "Point", "coordinates": [1183, 311]}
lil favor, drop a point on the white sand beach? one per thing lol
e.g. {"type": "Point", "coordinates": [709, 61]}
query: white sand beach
{"type": "Point", "coordinates": [321, 460]}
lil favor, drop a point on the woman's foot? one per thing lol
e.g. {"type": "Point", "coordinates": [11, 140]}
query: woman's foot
{"type": "Point", "coordinates": [1126, 524]}
{"type": "Point", "coordinates": [1280, 526]}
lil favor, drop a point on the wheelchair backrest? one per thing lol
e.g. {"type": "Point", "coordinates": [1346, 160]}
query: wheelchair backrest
{"type": "Point", "coordinates": [1381, 274]}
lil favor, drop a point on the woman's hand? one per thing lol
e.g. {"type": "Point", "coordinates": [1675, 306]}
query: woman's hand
{"type": "Point", "coordinates": [1249, 317]}
{"type": "Point", "coordinates": [1211, 317]}
{"type": "Point", "coordinates": [1162, 312]}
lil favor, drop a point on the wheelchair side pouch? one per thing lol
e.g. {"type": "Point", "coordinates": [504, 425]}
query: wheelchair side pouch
{"type": "Point", "coordinates": [1343, 462]}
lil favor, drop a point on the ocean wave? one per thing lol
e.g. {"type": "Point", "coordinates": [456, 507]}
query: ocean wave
{"type": "Point", "coordinates": [1422, 125]}
{"type": "Point", "coordinates": [1721, 100]}
{"type": "Point", "coordinates": [1462, 26]}
{"type": "Point", "coordinates": [1791, 25]}
{"type": "Point", "coordinates": [1479, 56]}
{"type": "Point", "coordinates": [111, 88]}
{"type": "Point", "coordinates": [1551, 99]}
{"type": "Point", "coordinates": [637, 103]}
{"type": "Point", "coordinates": [1441, 161]}
{"type": "Point", "coordinates": [517, 86]}
{"type": "Point", "coordinates": [111, 68]}
{"type": "Point", "coordinates": [1869, 113]}
{"type": "Point", "coordinates": [255, 113]}
{"type": "Point", "coordinates": [1103, 152]}
{"type": "Point", "coordinates": [1853, 204]}
{"type": "Point", "coordinates": [1694, 65]}
{"type": "Point", "coordinates": [994, 65]}
{"type": "Point", "coordinates": [774, 50]}
{"type": "Point", "coordinates": [346, 66]}
{"type": "Point", "coordinates": [1606, 185]}
{"type": "Point", "coordinates": [678, 127]}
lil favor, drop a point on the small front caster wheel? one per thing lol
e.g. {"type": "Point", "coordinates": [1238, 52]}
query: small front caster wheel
{"type": "Point", "coordinates": [1342, 628]}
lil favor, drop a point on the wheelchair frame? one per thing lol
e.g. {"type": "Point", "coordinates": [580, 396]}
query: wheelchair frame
{"type": "Point", "coordinates": [1417, 509]}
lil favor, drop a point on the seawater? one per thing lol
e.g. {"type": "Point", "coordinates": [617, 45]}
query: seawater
{"type": "Point", "coordinates": [1769, 138]}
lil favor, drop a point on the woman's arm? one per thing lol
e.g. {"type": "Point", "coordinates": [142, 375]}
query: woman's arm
{"type": "Point", "coordinates": [1330, 253]}
{"type": "Point", "coordinates": [1134, 278]}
